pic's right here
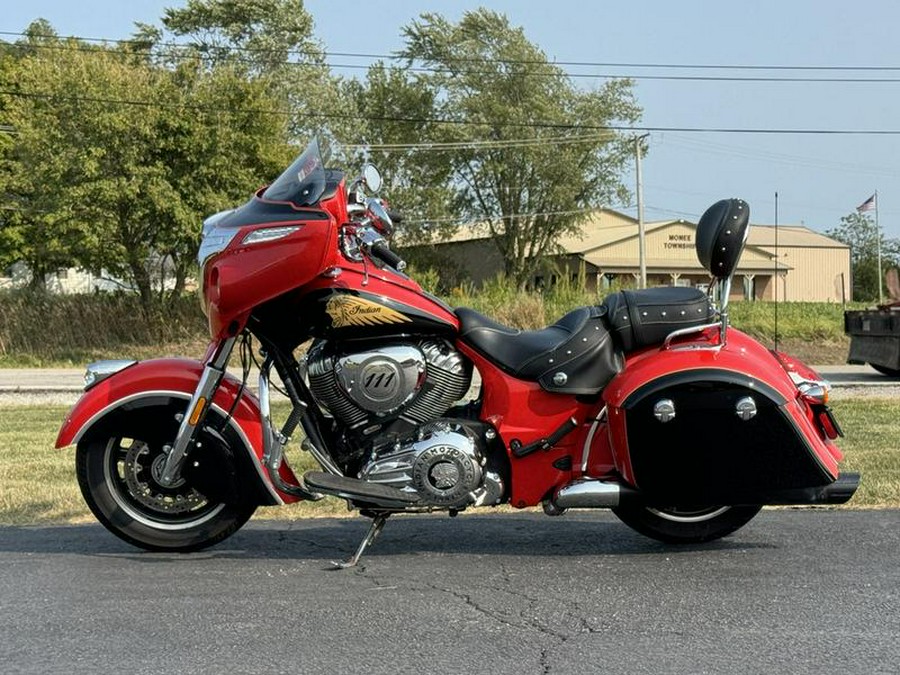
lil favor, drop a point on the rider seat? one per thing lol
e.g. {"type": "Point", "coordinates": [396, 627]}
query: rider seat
{"type": "Point", "coordinates": [575, 355]}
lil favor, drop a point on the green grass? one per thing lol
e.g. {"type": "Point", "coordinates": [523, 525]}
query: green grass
{"type": "Point", "coordinates": [41, 330]}
{"type": "Point", "coordinates": [38, 485]}
{"type": "Point", "coordinates": [871, 446]}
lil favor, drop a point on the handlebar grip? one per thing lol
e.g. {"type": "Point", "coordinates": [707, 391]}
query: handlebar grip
{"type": "Point", "coordinates": [381, 251]}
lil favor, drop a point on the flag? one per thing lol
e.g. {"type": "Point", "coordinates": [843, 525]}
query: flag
{"type": "Point", "coordinates": [867, 205]}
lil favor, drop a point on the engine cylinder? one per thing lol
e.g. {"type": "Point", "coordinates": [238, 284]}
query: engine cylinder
{"type": "Point", "coordinates": [416, 382]}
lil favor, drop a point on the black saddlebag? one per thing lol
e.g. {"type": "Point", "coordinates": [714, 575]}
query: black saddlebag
{"type": "Point", "coordinates": [646, 317]}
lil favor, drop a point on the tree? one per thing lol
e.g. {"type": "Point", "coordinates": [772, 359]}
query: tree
{"type": "Point", "coordinates": [120, 159]}
{"type": "Point", "coordinates": [858, 231]}
{"type": "Point", "coordinates": [269, 41]}
{"type": "Point", "coordinates": [526, 152]}
{"type": "Point", "coordinates": [31, 230]}
{"type": "Point", "coordinates": [417, 180]}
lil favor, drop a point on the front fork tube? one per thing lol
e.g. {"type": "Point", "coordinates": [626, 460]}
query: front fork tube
{"type": "Point", "coordinates": [213, 372]}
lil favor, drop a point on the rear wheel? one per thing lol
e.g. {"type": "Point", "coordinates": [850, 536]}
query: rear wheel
{"type": "Point", "coordinates": [686, 525]}
{"type": "Point", "coordinates": [118, 471]}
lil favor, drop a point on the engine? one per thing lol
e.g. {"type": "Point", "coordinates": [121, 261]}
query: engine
{"type": "Point", "coordinates": [390, 401]}
{"type": "Point", "coordinates": [445, 467]}
{"type": "Point", "coordinates": [413, 382]}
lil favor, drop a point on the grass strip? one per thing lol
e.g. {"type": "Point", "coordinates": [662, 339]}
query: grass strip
{"type": "Point", "coordinates": [38, 485]}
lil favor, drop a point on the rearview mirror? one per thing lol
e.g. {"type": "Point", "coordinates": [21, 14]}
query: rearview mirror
{"type": "Point", "coordinates": [371, 177]}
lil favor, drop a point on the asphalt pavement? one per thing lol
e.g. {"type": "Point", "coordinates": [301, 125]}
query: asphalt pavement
{"type": "Point", "coordinates": [795, 591]}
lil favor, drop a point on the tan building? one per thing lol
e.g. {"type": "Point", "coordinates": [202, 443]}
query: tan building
{"type": "Point", "coordinates": [809, 266]}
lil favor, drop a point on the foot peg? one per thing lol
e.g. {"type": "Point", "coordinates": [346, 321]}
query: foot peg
{"type": "Point", "coordinates": [359, 491]}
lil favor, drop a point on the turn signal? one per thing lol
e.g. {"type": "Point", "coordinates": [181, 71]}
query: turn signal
{"type": "Point", "coordinates": [198, 410]}
{"type": "Point", "coordinates": [815, 394]}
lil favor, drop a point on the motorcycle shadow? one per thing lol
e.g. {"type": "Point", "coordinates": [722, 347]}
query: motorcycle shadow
{"type": "Point", "coordinates": [503, 535]}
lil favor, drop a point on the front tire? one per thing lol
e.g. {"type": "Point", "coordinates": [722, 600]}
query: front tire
{"type": "Point", "coordinates": [691, 525]}
{"type": "Point", "coordinates": [117, 470]}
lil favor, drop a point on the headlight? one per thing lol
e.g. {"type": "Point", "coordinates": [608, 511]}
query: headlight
{"type": "Point", "coordinates": [214, 239]}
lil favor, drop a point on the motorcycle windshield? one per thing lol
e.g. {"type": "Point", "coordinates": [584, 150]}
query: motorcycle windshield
{"type": "Point", "coordinates": [303, 182]}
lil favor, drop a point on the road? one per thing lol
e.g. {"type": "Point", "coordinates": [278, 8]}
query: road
{"type": "Point", "coordinates": [799, 591]}
{"type": "Point", "coordinates": [64, 385]}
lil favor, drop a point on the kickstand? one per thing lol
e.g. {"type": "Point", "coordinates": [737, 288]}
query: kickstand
{"type": "Point", "coordinates": [375, 528]}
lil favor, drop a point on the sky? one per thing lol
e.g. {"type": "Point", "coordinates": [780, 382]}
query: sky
{"type": "Point", "coordinates": [819, 178]}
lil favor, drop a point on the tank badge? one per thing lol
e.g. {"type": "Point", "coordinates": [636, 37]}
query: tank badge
{"type": "Point", "coordinates": [346, 310]}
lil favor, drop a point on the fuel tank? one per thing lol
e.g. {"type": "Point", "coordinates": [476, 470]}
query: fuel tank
{"type": "Point", "coordinates": [355, 304]}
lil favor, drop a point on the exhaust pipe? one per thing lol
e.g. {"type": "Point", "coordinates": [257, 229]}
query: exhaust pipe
{"type": "Point", "coordinates": [838, 492]}
{"type": "Point", "coordinates": [587, 493]}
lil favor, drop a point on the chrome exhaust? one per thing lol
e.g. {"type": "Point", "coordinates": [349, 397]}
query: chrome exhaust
{"type": "Point", "coordinates": [588, 493]}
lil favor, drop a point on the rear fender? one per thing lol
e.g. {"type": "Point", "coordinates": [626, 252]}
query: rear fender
{"type": "Point", "coordinates": [177, 378]}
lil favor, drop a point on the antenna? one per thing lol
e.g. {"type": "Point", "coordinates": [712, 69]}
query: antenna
{"type": "Point", "coordinates": [775, 277]}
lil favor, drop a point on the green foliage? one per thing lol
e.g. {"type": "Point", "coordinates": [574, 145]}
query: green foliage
{"type": "Point", "coordinates": [811, 321]}
{"type": "Point", "coordinates": [416, 179]}
{"type": "Point", "coordinates": [116, 161]}
{"type": "Point", "coordinates": [40, 329]}
{"type": "Point", "coordinates": [486, 75]}
{"type": "Point", "coordinates": [858, 231]}
{"type": "Point", "coordinates": [271, 41]}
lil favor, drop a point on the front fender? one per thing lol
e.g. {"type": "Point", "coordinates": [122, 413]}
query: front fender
{"type": "Point", "coordinates": [177, 378]}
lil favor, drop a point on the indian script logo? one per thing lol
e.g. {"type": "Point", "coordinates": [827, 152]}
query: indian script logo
{"type": "Point", "coordinates": [346, 310]}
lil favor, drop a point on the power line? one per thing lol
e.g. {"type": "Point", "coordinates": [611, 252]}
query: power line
{"type": "Point", "coordinates": [532, 73]}
{"type": "Point", "coordinates": [400, 57]}
{"type": "Point", "coordinates": [460, 122]}
{"type": "Point", "coordinates": [462, 145]}
{"type": "Point", "coordinates": [729, 150]}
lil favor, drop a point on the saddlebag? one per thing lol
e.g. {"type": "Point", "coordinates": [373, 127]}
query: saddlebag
{"type": "Point", "coordinates": [646, 317]}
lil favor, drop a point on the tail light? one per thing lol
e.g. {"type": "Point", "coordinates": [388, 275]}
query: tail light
{"type": "Point", "coordinates": [813, 391]}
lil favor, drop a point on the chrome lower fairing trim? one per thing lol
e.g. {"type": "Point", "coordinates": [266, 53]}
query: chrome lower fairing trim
{"type": "Point", "coordinates": [99, 370]}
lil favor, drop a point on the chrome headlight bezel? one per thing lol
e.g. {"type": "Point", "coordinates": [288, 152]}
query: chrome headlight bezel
{"type": "Point", "coordinates": [214, 239]}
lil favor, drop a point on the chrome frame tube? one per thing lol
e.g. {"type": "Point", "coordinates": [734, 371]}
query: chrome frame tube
{"type": "Point", "coordinates": [724, 292]}
{"type": "Point", "coordinates": [273, 444]}
{"type": "Point", "coordinates": [212, 375]}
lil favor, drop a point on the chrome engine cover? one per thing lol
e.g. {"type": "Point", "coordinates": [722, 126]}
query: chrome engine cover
{"type": "Point", "coordinates": [444, 467]}
{"type": "Point", "coordinates": [413, 381]}
{"type": "Point", "coordinates": [381, 380]}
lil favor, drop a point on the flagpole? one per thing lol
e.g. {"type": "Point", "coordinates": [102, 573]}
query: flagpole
{"type": "Point", "coordinates": [878, 235]}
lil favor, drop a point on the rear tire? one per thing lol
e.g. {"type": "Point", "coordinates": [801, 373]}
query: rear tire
{"type": "Point", "coordinates": [691, 525]}
{"type": "Point", "coordinates": [117, 469]}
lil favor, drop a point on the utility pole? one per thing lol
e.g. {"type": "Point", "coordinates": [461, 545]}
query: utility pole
{"type": "Point", "coordinates": [642, 250]}
{"type": "Point", "coordinates": [878, 236]}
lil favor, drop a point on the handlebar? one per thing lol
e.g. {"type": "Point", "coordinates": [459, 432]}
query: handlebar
{"type": "Point", "coordinates": [379, 249]}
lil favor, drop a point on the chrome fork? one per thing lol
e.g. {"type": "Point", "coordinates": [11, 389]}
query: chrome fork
{"type": "Point", "coordinates": [212, 375]}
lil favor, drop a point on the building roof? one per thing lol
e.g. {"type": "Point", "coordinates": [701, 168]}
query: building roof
{"type": "Point", "coordinates": [791, 235]}
{"type": "Point", "coordinates": [606, 226]}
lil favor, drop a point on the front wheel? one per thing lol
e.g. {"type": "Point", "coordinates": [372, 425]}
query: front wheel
{"type": "Point", "coordinates": [690, 525]}
{"type": "Point", "coordinates": [118, 473]}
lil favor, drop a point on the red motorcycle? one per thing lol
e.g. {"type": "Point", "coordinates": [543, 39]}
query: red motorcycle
{"type": "Point", "coordinates": [648, 404]}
